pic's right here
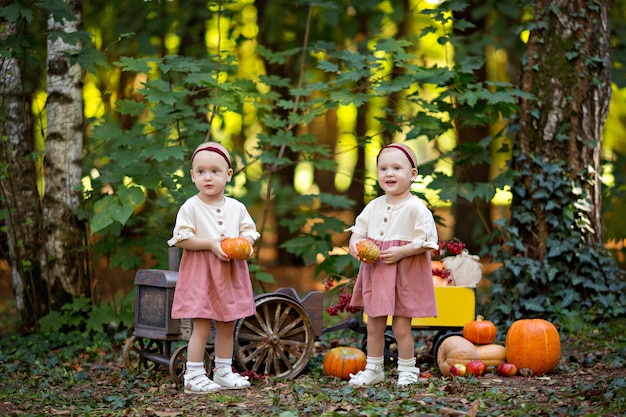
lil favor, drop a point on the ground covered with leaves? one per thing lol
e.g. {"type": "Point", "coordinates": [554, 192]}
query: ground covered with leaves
{"type": "Point", "coordinates": [77, 375]}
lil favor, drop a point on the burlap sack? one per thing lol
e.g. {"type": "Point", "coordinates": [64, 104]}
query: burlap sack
{"type": "Point", "coordinates": [464, 269]}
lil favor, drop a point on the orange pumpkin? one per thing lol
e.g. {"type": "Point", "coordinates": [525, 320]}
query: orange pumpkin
{"type": "Point", "coordinates": [438, 280]}
{"type": "Point", "coordinates": [236, 247]}
{"type": "Point", "coordinates": [534, 344]}
{"type": "Point", "coordinates": [368, 251]}
{"type": "Point", "coordinates": [437, 265]}
{"type": "Point", "coordinates": [455, 350]}
{"type": "Point", "coordinates": [480, 331]}
{"type": "Point", "coordinates": [343, 361]}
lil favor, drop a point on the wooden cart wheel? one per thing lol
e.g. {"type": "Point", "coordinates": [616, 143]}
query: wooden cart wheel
{"type": "Point", "coordinates": [391, 349]}
{"type": "Point", "coordinates": [179, 359]}
{"type": "Point", "coordinates": [277, 340]}
{"type": "Point", "coordinates": [135, 349]}
{"type": "Point", "coordinates": [440, 337]}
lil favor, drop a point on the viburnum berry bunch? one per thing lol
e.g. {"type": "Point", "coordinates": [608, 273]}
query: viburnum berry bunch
{"type": "Point", "coordinates": [443, 272]}
{"type": "Point", "coordinates": [345, 296]}
{"type": "Point", "coordinates": [452, 247]}
{"type": "Point", "coordinates": [252, 375]}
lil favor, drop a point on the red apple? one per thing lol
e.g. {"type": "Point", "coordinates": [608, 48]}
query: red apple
{"type": "Point", "coordinates": [507, 369]}
{"type": "Point", "coordinates": [457, 369]}
{"type": "Point", "coordinates": [476, 368]}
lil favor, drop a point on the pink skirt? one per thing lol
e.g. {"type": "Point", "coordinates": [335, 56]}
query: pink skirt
{"type": "Point", "coordinates": [211, 289]}
{"type": "Point", "coordinates": [403, 289]}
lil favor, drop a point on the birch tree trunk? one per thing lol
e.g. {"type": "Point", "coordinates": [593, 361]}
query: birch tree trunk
{"type": "Point", "coordinates": [65, 260]}
{"type": "Point", "coordinates": [18, 185]}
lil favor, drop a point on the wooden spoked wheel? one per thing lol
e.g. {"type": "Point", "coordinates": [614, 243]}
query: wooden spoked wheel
{"type": "Point", "coordinates": [390, 352]}
{"type": "Point", "coordinates": [179, 359]}
{"type": "Point", "coordinates": [440, 337]}
{"type": "Point", "coordinates": [137, 350]}
{"type": "Point", "coordinates": [277, 340]}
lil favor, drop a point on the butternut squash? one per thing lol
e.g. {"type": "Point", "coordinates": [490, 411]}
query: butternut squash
{"type": "Point", "coordinates": [492, 354]}
{"type": "Point", "coordinates": [455, 350]}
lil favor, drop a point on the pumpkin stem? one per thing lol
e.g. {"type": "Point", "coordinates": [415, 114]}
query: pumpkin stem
{"type": "Point", "coordinates": [479, 318]}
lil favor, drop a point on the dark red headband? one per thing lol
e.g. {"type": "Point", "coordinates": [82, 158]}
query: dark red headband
{"type": "Point", "coordinates": [212, 149]}
{"type": "Point", "coordinates": [397, 147]}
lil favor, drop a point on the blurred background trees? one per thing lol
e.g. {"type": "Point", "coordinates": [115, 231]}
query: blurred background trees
{"type": "Point", "coordinates": [305, 94]}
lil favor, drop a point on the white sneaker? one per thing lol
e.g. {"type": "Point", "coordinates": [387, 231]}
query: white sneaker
{"type": "Point", "coordinates": [196, 382]}
{"type": "Point", "coordinates": [225, 377]}
{"type": "Point", "coordinates": [372, 375]}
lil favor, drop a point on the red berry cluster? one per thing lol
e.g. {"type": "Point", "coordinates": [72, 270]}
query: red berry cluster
{"type": "Point", "coordinates": [328, 283]}
{"type": "Point", "coordinates": [342, 305]}
{"type": "Point", "coordinates": [455, 246]}
{"type": "Point", "coordinates": [452, 247]}
{"type": "Point", "coordinates": [442, 272]}
{"type": "Point", "coordinates": [252, 375]}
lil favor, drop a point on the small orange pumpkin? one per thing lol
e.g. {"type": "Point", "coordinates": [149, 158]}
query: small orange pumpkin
{"type": "Point", "coordinates": [480, 331]}
{"type": "Point", "coordinates": [440, 273]}
{"type": "Point", "coordinates": [534, 344]}
{"type": "Point", "coordinates": [236, 247]}
{"type": "Point", "coordinates": [440, 282]}
{"type": "Point", "coordinates": [343, 361]}
{"type": "Point", "coordinates": [368, 251]}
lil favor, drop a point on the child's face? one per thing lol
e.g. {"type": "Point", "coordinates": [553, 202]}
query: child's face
{"type": "Point", "coordinates": [210, 174]}
{"type": "Point", "coordinates": [395, 174]}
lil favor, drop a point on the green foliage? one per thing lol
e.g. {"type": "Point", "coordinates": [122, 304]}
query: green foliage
{"type": "Point", "coordinates": [575, 281]}
{"type": "Point", "coordinates": [614, 203]}
{"type": "Point", "coordinates": [83, 317]}
{"type": "Point", "coordinates": [184, 98]}
{"type": "Point", "coordinates": [171, 99]}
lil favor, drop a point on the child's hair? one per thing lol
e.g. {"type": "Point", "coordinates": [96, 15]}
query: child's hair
{"type": "Point", "coordinates": [405, 149]}
{"type": "Point", "coordinates": [213, 147]}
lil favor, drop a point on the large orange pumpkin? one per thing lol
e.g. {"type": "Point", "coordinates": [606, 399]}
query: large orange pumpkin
{"type": "Point", "coordinates": [534, 344]}
{"type": "Point", "coordinates": [343, 361]}
{"type": "Point", "coordinates": [453, 350]}
{"type": "Point", "coordinates": [236, 247]}
{"type": "Point", "coordinates": [368, 251]}
{"type": "Point", "coordinates": [480, 331]}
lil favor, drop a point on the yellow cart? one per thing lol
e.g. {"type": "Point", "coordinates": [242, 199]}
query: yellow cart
{"type": "Point", "coordinates": [456, 306]}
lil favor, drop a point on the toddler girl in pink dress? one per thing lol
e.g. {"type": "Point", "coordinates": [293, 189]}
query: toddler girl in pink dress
{"type": "Point", "coordinates": [400, 283]}
{"type": "Point", "coordinates": [211, 288]}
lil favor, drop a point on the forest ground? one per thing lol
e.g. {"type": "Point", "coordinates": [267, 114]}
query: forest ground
{"type": "Point", "coordinates": [590, 380]}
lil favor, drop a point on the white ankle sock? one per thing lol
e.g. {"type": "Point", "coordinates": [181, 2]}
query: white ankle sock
{"type": "Point", "coordinates": [194, 366]}
{"type": "Point", "coordinates": [376, 360]}
{"type": "Point", "coordinates": [221, 362]}
{"type": "Point", "coordinates": [409, 363]}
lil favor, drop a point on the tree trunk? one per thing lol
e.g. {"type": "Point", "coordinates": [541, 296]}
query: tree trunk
{"type": "Point", "coordinates": [65, 260]}
{"type": "Point", "coordinates": [18, 185]}
{"type": "Point", "coordinates": [471, 217]}
{"type": "Point", "coordinates": [567, 69]}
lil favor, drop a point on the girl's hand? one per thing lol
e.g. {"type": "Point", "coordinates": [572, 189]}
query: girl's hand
{"type": "Point", "coordinates": [251, 242]}
{"type": "Point", "coordinates": [216, 248]}
{"type": "Point", "coordinates": [352, 248]}
{"type": "Point", "coordinates": [396, 253]}
{"type": "Point", "coordinates": [391, 255]}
